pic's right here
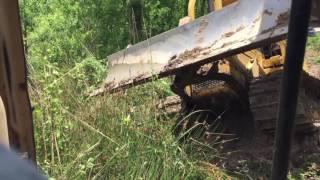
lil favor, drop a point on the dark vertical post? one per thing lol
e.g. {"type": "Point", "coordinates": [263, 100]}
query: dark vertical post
{"type": "Point", "coordinates": [210, 6]}
{"type": "Point", "coordinates": [13, 81]}
{"type": "Point", "coordinates": [297, 37]}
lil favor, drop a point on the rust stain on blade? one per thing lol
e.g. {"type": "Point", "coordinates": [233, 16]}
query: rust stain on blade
{"type": "Point", "coordinates": [283, 19]}
{"type": "Point", "coordinates": [268, 12]}
{"type": "Point", "coordinates": [115, 87]}
{"type": "Point", "coordinates": [188, 54]}
{"type": "Point", "coordinates": [203, 25]}
{"type": "Point", "coordinates": [229, 34]}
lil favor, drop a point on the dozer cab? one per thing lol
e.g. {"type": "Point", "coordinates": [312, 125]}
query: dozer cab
{"type": "Point", "coordinates": [226, 65]}
{"type": "Point", "coordinates": [16, 125]}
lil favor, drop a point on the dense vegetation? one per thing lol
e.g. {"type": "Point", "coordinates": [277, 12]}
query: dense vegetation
{"type": "Point", "coordinates": [314, 46]}
{"type": "Point", "coordinates": [111, 137]}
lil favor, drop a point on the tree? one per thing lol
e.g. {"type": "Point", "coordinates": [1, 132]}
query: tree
{"type": "Point", "coordinates": [135, 17]}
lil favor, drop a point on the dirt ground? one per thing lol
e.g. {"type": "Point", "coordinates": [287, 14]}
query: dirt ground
{"type": "Point", "coordinates": [252, 158]}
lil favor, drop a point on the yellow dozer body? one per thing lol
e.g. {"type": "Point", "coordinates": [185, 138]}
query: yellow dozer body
{"type": "Point", "coordinates": [246, 82]}
{"type": "Point", "coordinates": [227, 66]}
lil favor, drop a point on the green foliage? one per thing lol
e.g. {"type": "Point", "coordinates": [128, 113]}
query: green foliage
{"type": "Point", "coordinates": [314, 42]}
{"type": "Point", "coordinates": [310, 168]}
{"type": "Point", "coordinates": [108, 137]}
{"type": "Point", "coordinates": [112, 137]}
{"type": "Point", "coordinates": [318, 60]}
{"type": "Point", "coordinates": [162, 15]}
{"type": "Point", "coordinates": [56, 95]}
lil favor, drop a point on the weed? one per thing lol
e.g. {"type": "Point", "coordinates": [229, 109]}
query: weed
{"type": "Point", "coordinates": [115, 136]}
{"type": "Point", "coordinates": [314, 42]}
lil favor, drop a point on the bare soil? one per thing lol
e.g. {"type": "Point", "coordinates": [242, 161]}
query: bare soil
{"type": "Point", "coordinates": [252, 158]}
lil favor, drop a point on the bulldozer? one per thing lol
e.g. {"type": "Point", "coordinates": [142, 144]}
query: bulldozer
{"type": "Point", "coordinates": [227, 67]}
{"type": "Point", "coordinates": [226, 73]}
{"type": "Point", "coordinates": [237, 94]}
{"type": "Point", "coordinates": [229, 70]}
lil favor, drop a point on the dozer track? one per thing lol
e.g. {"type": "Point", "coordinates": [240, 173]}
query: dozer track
{"type": "Point", "coordinates": [264, 96]}
{"type": "Point", "coordinates": [219, 115]}
{"type": "Point", "coordinates": [237, 50]}
{"type": "Point", "coordinates": [259, 114]}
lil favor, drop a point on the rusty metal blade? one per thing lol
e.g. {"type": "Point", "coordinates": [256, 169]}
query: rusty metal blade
{"type": "Point", "coordinates": [239, 27]}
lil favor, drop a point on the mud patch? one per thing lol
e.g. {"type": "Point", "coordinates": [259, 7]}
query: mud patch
{"type": "Point", "coordinates": [203, 24]}
{"type": "Point", "coordinates": [229, 34]}
{"type": "Point", "coordinates": [175, 61]}
{"type": "Point", "coordinates": [267, 12]}
{"type": "Point", "coordinates": [283, 19]}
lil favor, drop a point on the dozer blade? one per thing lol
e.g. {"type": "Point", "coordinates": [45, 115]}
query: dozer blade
{"type": "Point", "coordinates": [244, 25]}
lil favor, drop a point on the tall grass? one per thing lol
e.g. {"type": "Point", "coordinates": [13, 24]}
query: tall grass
{"type": "Point", "coordinates": [314, 44]}
{"type": "Point", "coordinates": [117, 136]}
